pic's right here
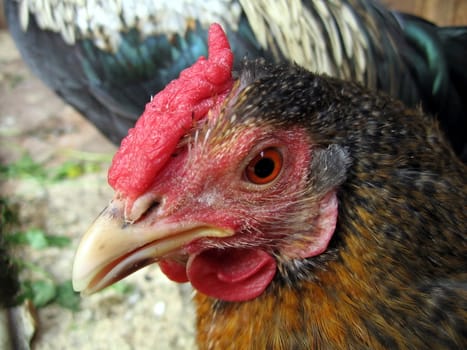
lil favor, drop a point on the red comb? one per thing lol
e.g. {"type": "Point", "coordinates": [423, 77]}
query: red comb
{"type": "Point", "coordinates": [170, 114]}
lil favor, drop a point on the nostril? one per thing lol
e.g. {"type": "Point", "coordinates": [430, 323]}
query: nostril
{"type": "Point", "coordinates": [141, 207]}
{"type": "Point", "coordinates": [154, 205]}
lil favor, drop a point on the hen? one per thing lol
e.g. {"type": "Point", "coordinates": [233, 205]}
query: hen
{"type": "Point", "coordinates": [106, 58]}
{"type": "Point", "coordinates": [307, 212]}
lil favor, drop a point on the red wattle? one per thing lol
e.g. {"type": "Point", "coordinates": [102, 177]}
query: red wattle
{"type": "Point", "coordinates": [231, 274]}
{"type": "Point", "coordinates": [174, 270]}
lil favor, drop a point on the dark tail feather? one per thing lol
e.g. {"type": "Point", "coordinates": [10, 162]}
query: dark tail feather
{"type": "Point", "coordinates": [455, 46]}
{"type": "Point", "coordinates": [438, 59]}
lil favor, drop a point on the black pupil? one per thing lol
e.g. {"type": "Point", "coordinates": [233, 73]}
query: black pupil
{"type": "Point", "coordinates": [264, 167]}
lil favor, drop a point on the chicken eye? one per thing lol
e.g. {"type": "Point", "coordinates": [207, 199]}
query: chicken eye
{"type": "Point", "coordinates": [265, 167]}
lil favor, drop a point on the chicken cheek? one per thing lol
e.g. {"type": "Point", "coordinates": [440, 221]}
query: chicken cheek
{"type": "Point", "coordinates": [231, 274]}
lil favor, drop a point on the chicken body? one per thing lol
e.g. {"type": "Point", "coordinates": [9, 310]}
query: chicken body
{"type": "Point", "coordinates": [109, 58]}
{"type": "Point", "coordinates": [306, 211]}
{"type": "Point", "coordinates": [394, 274]}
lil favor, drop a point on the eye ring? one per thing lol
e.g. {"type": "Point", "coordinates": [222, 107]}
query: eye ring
{"type": "Point", "coordinates": [265, 167]}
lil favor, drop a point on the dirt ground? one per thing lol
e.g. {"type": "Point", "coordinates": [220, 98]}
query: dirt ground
{"type": "Point", "coordinates": [157, 313]}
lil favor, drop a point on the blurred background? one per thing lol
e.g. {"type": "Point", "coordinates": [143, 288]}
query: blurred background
{"type": "Point", "coordinates": [449, 12]}
{"type": "Point", "coordinates": [53, 183]}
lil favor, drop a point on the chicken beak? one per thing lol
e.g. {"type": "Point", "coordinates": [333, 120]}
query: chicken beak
{"type": "Point", "coordinates": [112, 249]}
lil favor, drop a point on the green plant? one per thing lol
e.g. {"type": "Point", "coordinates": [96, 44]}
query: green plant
{"type": "Point", "coordinates": [43, 290]}
{"type": "Point", "coordinates": [78, 164]}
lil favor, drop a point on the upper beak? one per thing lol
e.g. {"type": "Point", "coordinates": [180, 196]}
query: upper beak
{"type": "Point", "coordinates": [112, 248]}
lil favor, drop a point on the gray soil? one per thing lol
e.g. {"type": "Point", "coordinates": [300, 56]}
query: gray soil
{"type": "Point", "coordinates": [156, 313]}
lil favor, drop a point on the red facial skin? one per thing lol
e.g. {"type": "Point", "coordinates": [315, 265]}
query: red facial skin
{"type": "Point", "coordinates": [207, 184]}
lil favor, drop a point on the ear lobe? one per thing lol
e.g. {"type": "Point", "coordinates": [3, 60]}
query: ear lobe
{"type": "Point", "coordinates": [328, 171]}
{"type": "Point", "coordinates": [323, 229]}
{"type": "Point", "coordinates": [329, 168]}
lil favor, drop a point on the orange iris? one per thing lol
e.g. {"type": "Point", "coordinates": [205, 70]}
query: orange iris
{"type": "Point", "coordinates": [265, 167]}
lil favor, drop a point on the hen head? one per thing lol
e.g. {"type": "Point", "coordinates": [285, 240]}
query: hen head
{"type": "Point", "coordinates": [243, 191]}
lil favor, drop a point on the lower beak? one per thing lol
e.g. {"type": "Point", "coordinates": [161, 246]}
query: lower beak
{"type": "Point", "coordinates": [112, 249]}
